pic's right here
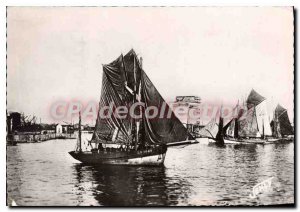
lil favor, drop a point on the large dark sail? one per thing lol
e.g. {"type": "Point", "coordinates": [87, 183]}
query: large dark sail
{"type": "Point", "coordinates": [119, 89]}
{"type": "Point", "coordinates": [220, 135]}
{"type": "Point", "coordinates": [165, 129]}
{"type": "Point", "coordinates": [124, 83]}
{"type": "Point", "coordinates": [109, 128]}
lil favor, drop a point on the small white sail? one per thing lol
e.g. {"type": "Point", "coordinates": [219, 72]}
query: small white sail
{"type": "Point", "coordinates": [262, 117]}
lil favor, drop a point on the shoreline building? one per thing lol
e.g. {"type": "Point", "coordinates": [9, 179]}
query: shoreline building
{"type": "Point", "coordinates": [13, 120]}
{"type": "Point", "coordinates": [187, 110]}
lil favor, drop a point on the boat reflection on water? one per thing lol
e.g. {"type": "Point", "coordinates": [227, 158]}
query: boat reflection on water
{"type": "Point", "coordinates": [128, 186]}
{"type": "Point", "coordinates": [199, 175]}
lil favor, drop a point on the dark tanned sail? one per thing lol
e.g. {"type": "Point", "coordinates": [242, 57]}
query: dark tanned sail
{"type": "Point", "coordinates": [220, 135]}
{"type": "Point", "coordinates": [125, 83]}
{"type": "Point", "coordinates": [254, 99]}
{"type": "Point", "coordinates": [109, 128]}
{"type": "Point", "coordinates": [281, 123]}
{"type": "Point", "coordinates": [166, 129]}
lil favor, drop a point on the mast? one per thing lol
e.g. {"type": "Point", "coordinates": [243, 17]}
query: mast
{"type": "Point", "coordinates": [235, 132]}
{"type": "Point", "coordinates": [263, 129]}
{"type": "Point", "coordinates": [134, 101]}
{"type": "Point", "coordinates": [236, 128]}
{"type": "Point", "coordinates": [130, 91]}
{"type": "Point", "coordinates": [278, 126]}
{"type": "Point", "coordinates": [220, 136]}
{"type": "Point", "coordinates": [137, 94]}
{"type": "Point", "coordinates": [79, 133]}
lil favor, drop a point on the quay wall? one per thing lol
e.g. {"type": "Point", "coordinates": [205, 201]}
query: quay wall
{"type": "Point", "coordinates": [30, 138]}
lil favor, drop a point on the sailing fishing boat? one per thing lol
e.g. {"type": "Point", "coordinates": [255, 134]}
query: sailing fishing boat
{"type": "Point", "coordinates": [248, 125]}
{"type": "Point", "coordinates": [134, 140]}
{"type": "Point", "coordinates": [213, 130]}
{"type": "Point", "coordinates": [251, 125]}
{"type": "Point", "coordinates": [281, 125]}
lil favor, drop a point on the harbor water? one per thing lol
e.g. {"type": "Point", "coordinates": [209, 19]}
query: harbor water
{"type": "Point", "coordinates": [44, 174]}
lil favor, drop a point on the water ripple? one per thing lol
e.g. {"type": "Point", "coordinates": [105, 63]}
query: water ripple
{"type": "Point", "coordinates": [44, 174]}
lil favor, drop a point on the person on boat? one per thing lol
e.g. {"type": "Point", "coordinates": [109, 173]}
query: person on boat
{"type": "Point", "coordinates": [127, 148]}
{"type": "Point", "coordinates": [141, 147]}
{"type": "Point", "coordinates": [100, 147]}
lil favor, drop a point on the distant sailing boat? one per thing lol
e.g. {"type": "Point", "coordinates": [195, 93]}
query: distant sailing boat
{"type": "Point", "coordinates": [249, 125]}
{"type": "Point", "coordinates": [213, 130]}
{"type": "Point", "coordinates": [130, 141]}
{"type": "Point", "coordinates": [281, 125]}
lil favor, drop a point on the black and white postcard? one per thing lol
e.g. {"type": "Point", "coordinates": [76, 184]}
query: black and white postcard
{"type": "Point", "coordinates": [150, 106]}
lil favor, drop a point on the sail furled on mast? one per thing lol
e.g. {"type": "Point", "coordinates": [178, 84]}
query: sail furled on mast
{"type": "Point", "coordinates": [160, 130]}
{"type": "Point", "coordinates": [282, 117]}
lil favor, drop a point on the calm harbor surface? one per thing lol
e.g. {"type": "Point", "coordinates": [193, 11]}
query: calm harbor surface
{"type": "Point", "coordinates": [44, 174]}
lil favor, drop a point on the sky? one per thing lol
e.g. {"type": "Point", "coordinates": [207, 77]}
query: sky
{"type": "Point", "coordinates": [217, 53]}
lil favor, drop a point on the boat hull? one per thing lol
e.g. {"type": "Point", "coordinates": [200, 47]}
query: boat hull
{"type": "Point", "coordinates": [120, 158]}
{"type": "Point", "coordinates": [247, 141]}
{"type": "Point", "coordinates": [226, 141]}
{"type": "Point", "coordinates": [183, 143]}
{"type": "Point", "coordinates": [280, 140]}
{"type": "Point", "coordinates": [244, 141]}
{"type": "Point", "coordinates": [254, 141]}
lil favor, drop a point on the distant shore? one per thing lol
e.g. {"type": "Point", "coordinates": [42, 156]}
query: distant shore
{"type": "Point", "coordinates": [33, 138]}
